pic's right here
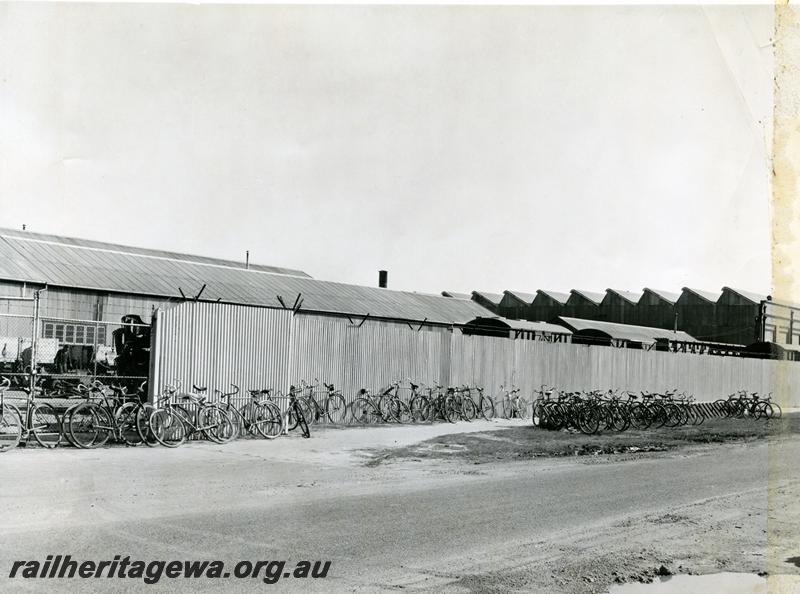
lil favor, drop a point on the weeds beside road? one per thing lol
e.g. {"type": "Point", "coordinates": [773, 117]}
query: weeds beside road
{"type": "Point", "coordinates": [520, 443]}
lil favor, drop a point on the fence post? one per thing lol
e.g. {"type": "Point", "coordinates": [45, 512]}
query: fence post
{"type": "Point", "coordinates": [155, 355]}
{"type": "Point", "coordinates": [34, 345]}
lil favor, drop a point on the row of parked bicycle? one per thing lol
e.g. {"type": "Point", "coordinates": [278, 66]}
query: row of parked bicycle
{"type": "Point", "coordinates": [596, 411]}
{"type": "Point", "coordinates": [103, 413]}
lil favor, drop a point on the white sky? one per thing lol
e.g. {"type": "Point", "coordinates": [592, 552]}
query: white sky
{"type": "Point", "coordinates": [459, 148]}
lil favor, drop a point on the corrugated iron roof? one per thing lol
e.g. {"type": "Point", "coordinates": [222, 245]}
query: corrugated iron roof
{"type": "Point", "coordinates": [711, 296]}
{"type": "Point", "coordinates": [628, 296]}
{"type": "Point", "coordinates": [555, 295]}
{"type": "Point", "coordinates": [756, 298]}
{"type": "Point", "coordinates": [526, 298]}
{"type": "Point", "coordinates": [595, 298]}
{"type": "Point", "coordinates": [537, 326]}
{"type": "Point", "coordinates": [644, 334]}
{"type": "Point", "coordinates": [665, 295]}
{"type": "Point", "coordinates": [85, 265]}
{"type": "Point", "coordinates": [50, 247]}
{"type": "Point", "coordinates": [492, 298]}
{"type": "Point", "coordinates": [524, 325]}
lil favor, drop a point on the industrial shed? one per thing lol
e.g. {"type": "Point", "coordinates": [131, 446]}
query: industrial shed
{"type": "Point", "coordinates": [620, 307]}
{"type": "Point", "coordinates": [91, 286]}
{"type": "Point", "coordinates": [547, 305]}
{"type": "Point", "coordinates": [656, 308]}
{"type": "Point", "coordinates": [517, 329]}
{"type": "Point", "coordinates": [92, 280]}
{"type": "Point", "coordinates": [596, 332]}
{"type": "Point", "coordinates": [583, 304]}
{"type": "Point", "coordinates": [737, 316]}
{"type": "Point", "coordinates": [515, 304]}
{"type": "Point", "coordinates": [696, 310]}
{"type": "Point", "coordinates": [490, 301]}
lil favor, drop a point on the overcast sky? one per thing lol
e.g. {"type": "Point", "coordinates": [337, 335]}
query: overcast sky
{"type": "Point", "coordinates": [460, 148]}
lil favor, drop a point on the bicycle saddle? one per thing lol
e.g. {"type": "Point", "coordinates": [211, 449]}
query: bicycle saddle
{"type": "Point", "coordinates": [197, 388]}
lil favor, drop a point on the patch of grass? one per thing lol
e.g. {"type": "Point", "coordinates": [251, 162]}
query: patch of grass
{"type": "Point", "coordinates": [530, 442]}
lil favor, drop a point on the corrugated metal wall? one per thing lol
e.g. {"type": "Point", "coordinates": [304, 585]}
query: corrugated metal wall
{"type": "Point", "coordinates": [335, 351]}
{"type": "Point", "coordinates": [218, 344]}
{"type": "Point", "coordinates": [491, 362]}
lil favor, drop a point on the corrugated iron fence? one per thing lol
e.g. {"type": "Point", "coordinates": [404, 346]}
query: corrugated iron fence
{"type": "Point", "coordinates": [220, 344]}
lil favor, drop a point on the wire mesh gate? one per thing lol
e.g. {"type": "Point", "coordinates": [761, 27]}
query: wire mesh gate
{"type": "Point", "coordinates": [47, 357]}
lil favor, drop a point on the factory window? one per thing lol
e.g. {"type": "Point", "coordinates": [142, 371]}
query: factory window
{"type": "Point", "coordinates": [74, 333]}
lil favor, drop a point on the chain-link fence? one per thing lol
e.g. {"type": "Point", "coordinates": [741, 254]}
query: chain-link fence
{"type": "Point", "coordinates": [53, 355]}
{"type": "Point", "coordinates": [17, 323]}
{"type": "Point", "coordinates": [81, 351]}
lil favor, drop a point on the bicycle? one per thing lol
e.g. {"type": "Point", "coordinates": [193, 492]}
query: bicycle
{"type": "Point", "coordinates": [39, 421]}
{"type": "Point", "coordinates": [251, 418]}
{"type": "Point", "coordinates": [172, 424]}
{"type": "Point", "coordinates": [291, 419]}
{"type": "Point", "coordinates": [334, 406]}
{"type": "Point", "coordinates": [92, 423]}
{"type": "Point", "coordinates": [10, 420]}
{"type": "Point", "coordinates": [514, 404]}
{"type": "Point", "coordinates": [365, 409]}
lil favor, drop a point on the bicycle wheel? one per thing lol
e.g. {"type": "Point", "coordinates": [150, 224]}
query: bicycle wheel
{"type": "Point", "coordinates": [776, 410]}
{"type": "Point", "coordinates": [618, 420]}
{"type": "Point", "coordinates": [275, 425]}
{"type": "Point", "coordinates": [89, 425]}
{"type": "Point", "coordinates": [589, 418]}
{"type": "Point", "coordinates": [403, 412]}
{"type": "Point", "coordinates": [420, 408]}
{"type": "Point", "coordinates": [301, 420]}
{"type": "Point", "coordinates": [167, 428]}
{"type": "Point", "coordinates": [336, 409]}
{"type": "Point", "coordinates": [10, 428]}
{"type": "Point", "coordinates": [260, 419]}
{"type": "Point", "coordinates": [215, 424]}
{"type": "Point", "coordinates": [126, 419]}
{"type": "Point", "coordinates": [309, 409]}
{"type": "Point", "coordinates": [468, 409]}
{"type": "Point", "coordinates": [46, 425]}
{"type": "Point", "coordinates": [452, 410]}
{"type": "Point", "coordinates": [240, 425]}
{"type": "Point", "coordinates": [640, 419]}
{"type": "Point", "coordinates": [659, 415]}
{"type": "Point", "coordinates": [143, 424]}
{"type": "Point", "coordinates": [523, 408]}
{"type": "Point", "coordinates": [391, 410]}
{"type": "Point", "coordinates": [486, 408]}
{"type": "Point", "coordinates": [361, 411]}
{"type": "Point", "coordinates": [248, 417]}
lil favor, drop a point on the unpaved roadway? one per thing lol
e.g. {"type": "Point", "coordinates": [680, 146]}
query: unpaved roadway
{"type": "Point", "coordinates": [549, 525]}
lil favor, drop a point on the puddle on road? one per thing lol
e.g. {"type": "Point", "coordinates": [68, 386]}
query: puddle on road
{"type": "Point", "coordinates": [730, 583]}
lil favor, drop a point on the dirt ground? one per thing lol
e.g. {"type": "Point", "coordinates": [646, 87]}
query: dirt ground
{"type": "Point", "coordinates": [474, 507]}
{"type": "Point", "coordinates": [524, 441]}
{"type": "Point", "coordinates": [755, 530]}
